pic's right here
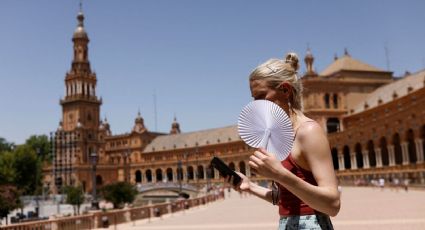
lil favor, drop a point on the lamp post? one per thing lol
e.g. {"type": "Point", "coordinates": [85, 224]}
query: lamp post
{"type": "Point", "coordinates": [208, 178]}
{"type": "Point", "coordinates": [197, 168]}
{"type": "Point", "coordinates": [94, 202]}
{"type": "Point", "coordinates": [37, 208]}
{"type": "Point", "coordinates": [126, 164]}
{"type": "Point", "coordinates": [187, 167]}
{"type": "Point", "coordinates": [179, 175]}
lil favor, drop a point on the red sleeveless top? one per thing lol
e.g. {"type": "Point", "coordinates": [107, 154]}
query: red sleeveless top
{"type": "Point", "coordinates": [289, 204]}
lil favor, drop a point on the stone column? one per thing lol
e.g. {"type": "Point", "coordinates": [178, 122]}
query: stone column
{"type": "Point", "coordinates": [419, 150]}
{"type": "Point", "coordinates": [184, 169]}
{"type": "Point", "coordinates": [248, 171]}
{"type": "Point", "coordinates": [237, 166]}
{"type": "Point", "coordinates": [405, 153]}
{"type": "Point", "coordinates": [216, 174]}
{"type": "Point", "coordinates": [205, 172]}
{"type": "Point", "coordinates": [391, 155]}
{"type": "Point", "coordinates": [341, 162]}
{"type": "Point", "coordinates": [353, 161]}
{"type": "Point", "coordinates": [378, 157]}
{"type": "Point", "coordinates": [366, 159]}
{"type": "Point", "coordinates": [174, 170]}
{"type": "Point", "coordinates": [154, 176]}
{"type": "Point", "coordinates": [130, 176]}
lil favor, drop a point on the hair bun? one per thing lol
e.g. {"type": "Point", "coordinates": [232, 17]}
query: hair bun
{"type": "Point", "coordinates": [292, 59]}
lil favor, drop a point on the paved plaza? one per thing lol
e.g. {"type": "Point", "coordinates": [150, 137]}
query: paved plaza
{"type": "Point", "coordinates": [362, 208]}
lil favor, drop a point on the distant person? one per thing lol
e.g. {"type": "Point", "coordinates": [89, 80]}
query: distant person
{"type": "Point", "coordinates": [396, 182]}
{"type": "Point", "coordinates": [406, 184]}
{"type": "Point", "coordinates": [306, 191]}
{"type": "Point", "coordinates": [381, 183]}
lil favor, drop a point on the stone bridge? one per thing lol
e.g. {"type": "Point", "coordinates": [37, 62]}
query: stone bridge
{"type": "Point", "coordinates": [166, 187]}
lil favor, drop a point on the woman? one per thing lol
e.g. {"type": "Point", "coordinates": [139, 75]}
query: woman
{"type": "Point", "coordinates": [307, 191]}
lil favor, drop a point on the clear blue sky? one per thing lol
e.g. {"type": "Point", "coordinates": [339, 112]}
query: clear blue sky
{"type": "Point", "coordinates": [196, 55]}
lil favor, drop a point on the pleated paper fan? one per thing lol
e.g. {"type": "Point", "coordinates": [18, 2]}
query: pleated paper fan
{"type": "Point", "coordinates": [263, 124]}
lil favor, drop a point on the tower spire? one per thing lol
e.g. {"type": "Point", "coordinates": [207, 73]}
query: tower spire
{"type": "Point", "coordinates": [309, 59]}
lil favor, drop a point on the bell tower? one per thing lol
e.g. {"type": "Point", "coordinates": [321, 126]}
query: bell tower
{"type": "Point", "coordinates": [80, 106]}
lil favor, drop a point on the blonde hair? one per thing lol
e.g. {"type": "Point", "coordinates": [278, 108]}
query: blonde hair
{"type": "Point", "coordinates": [277, 71]}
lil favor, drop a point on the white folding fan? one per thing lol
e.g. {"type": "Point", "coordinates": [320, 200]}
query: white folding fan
{"type": "Point", "coordinates": [263, 124]}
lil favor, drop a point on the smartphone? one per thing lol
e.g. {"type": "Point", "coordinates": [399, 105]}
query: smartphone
{"type": "Point", "coordinates": [225, 170]}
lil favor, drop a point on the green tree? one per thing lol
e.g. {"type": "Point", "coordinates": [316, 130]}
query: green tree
{"type": "Point", "coordinates": [119, 193]}
{"type": "Point", "coordinates": [27, 170]}
{"type": "Point", "coordinates": [9, 200]}
{"type": "Point", "coordinates": [74, 197]}
{"type": "Point", "coordinates": [7, 168]}
{"type": "Point", "coordinates": [5, 145]}
{"type": "Point", "coordinates": [41, 146]}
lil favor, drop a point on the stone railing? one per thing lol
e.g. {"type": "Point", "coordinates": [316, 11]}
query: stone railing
{"type": "Point", "coordinates": [113, 217]}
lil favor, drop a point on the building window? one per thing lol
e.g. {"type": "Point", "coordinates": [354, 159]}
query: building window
{"type": "Point", "coordinates": [335, 99]}
{"type": "Point", "coordinates": [332, 125]}
{"type": "Point", "coordinates": [138, 176]}
{"type": "Point", "coordinates": [327, 101]}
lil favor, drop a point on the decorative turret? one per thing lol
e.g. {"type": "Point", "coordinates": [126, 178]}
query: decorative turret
{"type": "Point", "coordinates": [139, 124]}
{"type": "Point", "coordinates": [106, 127]}
{"type": "Point", "coordinates": [309, 59]}
{"type": "Point", "coordinates": [175, 127]}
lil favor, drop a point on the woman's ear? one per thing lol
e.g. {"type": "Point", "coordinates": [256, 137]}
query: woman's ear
{"type": "Point", "coordinates": [285, 87]}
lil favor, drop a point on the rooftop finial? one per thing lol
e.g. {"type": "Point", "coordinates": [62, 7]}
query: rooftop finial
{"type": "Point", "coordinates": [346, 52]}
{"type": "Point", "coordinates": [80, 15]}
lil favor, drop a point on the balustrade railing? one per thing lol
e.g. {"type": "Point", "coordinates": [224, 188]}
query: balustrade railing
{"type": "Point", "coordinates": [113, 217]}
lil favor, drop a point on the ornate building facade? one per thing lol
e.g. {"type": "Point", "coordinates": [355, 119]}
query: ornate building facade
{"type": "Point", "coordinates": [375, 124]}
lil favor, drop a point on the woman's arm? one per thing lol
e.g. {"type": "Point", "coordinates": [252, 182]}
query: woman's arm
{"type": "Point", "coordinates": [325, 196]}
{"type": "Point", "coordinates": [247, 185]}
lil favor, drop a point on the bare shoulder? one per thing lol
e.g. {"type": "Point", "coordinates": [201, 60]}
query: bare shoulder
{"type": "Point", "coordinates": [309, 130]}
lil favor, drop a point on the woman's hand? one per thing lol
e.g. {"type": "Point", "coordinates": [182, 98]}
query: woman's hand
{"type": "Point", "coordinates": [243, 186]}
{"type": "Point", "coordinates": [266, 164]}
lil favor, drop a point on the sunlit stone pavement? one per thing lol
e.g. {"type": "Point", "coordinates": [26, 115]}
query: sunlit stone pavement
{"type": "Point", "coordinates": [362, 208]}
